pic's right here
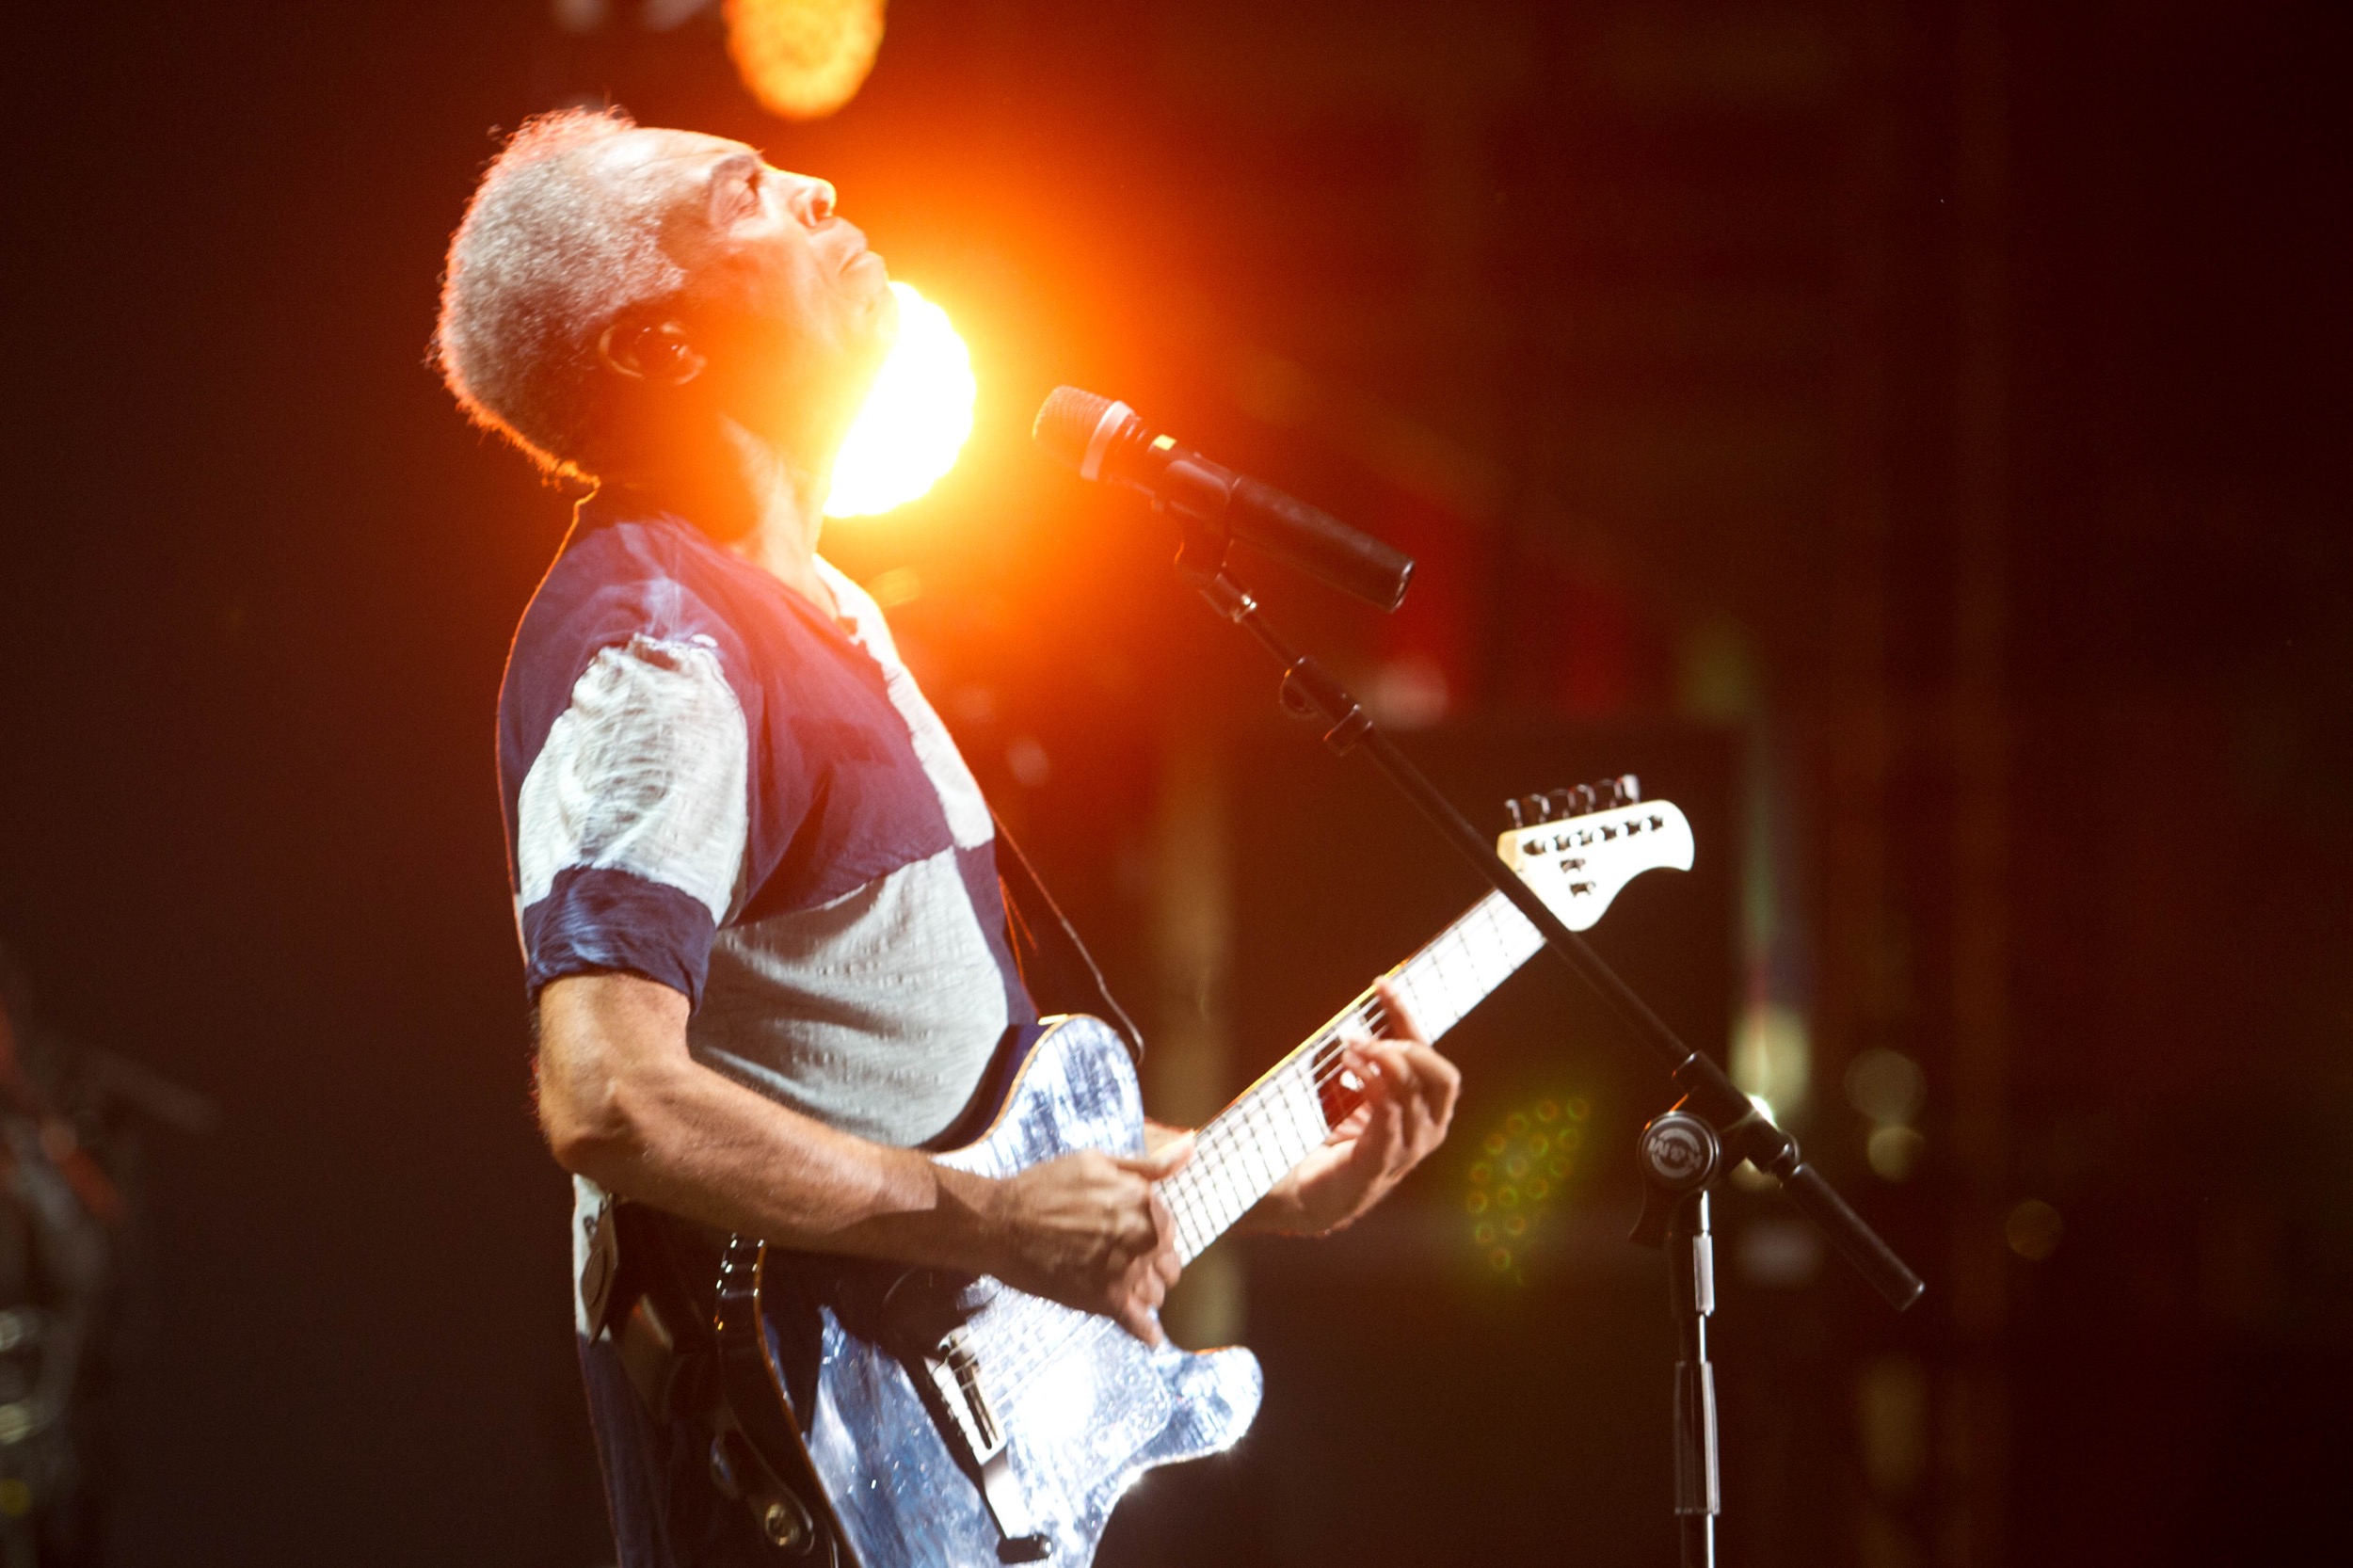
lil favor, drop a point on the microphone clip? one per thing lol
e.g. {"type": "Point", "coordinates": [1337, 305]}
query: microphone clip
{"type": "Point", "coordinates": [1196, 494]}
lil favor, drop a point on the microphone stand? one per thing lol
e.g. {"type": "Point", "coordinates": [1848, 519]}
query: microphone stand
{"type": "Point", "coordinates": [1711, 1128]}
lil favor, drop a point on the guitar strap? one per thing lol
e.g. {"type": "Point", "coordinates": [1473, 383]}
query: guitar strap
{"type": "Point", "coordinates": [1026, 897]}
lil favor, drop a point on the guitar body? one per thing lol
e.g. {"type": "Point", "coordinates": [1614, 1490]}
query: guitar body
{"type": "Point", "coordinates": [1015, 1445]}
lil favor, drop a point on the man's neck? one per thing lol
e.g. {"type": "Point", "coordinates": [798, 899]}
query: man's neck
{"type": "Point", "coordinates": [759, 502]}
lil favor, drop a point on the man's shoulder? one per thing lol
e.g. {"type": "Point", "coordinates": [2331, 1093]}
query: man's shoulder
{"type": "Point", "coordinates": [620, 581]}
{"type": "Point", "coordinates": [617, 575]}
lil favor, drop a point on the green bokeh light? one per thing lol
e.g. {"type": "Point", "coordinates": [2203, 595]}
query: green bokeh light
{"type": "Point", "coordinates": [1523, 1169]}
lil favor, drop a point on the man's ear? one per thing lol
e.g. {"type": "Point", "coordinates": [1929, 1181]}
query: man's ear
{"type": "Point", "coordinates": [658, 352]}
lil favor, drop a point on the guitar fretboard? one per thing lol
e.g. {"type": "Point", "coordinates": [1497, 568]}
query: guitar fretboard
{"type": "Point", "coordinates": [1280, 1120]}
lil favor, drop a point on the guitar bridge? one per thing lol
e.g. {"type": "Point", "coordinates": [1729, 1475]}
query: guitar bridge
{"type": "Point", "coordinates": [956, 1373]}
{"type": "Point", "coordinates": [956, 1376]}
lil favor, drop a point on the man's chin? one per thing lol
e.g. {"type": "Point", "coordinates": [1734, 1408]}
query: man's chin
{"type": "Point", "coordinates": [883, 319]}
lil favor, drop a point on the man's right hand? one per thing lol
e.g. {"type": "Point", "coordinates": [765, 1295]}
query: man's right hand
{"type": "Point", "coordinates": [1090, 1231]}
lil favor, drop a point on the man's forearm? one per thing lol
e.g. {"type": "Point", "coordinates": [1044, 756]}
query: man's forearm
{"type": "Point", "coordinates": [625, 1106]}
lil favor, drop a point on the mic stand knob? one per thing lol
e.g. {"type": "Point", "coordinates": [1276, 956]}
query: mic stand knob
{"type": "Point", "coordinates": [1680, 1154]}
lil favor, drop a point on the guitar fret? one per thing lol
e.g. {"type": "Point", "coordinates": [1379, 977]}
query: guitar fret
{"type": "Point", "coordinates": [1250, 1166]}
{"type": "Point", "coordinates": [1228, 1188]}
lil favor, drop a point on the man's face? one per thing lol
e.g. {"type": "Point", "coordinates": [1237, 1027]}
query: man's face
{"type": "Point", "coordinates": [783, 297]}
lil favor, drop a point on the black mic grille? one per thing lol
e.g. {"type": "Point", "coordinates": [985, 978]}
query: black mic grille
{"type": "Point", "coordinates": [1067, 423]}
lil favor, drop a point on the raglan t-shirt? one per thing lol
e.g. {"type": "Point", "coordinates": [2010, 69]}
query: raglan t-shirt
{"type": "Point", "coordinates": [711, 783]}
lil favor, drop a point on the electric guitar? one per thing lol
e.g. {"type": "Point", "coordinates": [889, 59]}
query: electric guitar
{"type": "Point", "coordinates": [883, 1417]}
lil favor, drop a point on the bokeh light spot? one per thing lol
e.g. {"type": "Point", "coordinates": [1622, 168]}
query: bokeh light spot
{"type": "Point", "coordinates": [2033, 1230]}
{"type": "Point", "coordinates": [1519, 1177]}
{"type": "Point", "coordinates": [915, 421]}
{"type": "Point", "coordinates": [1893, 1151]}
{"type": "Point", "coordinates": [804, 59]}
{"type": "Point", "coordinates": [1886, 1086]}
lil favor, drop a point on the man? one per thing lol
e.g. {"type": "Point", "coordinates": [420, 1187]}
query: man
{"type": "Point", "coordinates": [755, 881]}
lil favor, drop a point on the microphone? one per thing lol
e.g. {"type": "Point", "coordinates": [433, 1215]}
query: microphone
{"type": "Point", "coordinates": [1105, 441]}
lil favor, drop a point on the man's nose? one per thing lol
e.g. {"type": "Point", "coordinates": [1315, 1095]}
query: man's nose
{"type": "Point", "coordinates": [812, 199]}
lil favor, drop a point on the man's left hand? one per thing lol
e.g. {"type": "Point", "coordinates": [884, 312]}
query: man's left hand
{"type": "Point", "coordinates": [1408, 1100]}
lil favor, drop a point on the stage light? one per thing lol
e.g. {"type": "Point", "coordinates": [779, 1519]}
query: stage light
{"type": "Point", "coordinates": [916, 419]}
{"type": "Point", "coordinates": [804, 59]}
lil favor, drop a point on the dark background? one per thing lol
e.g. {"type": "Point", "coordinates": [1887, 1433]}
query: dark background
{"type": "Point", "coordinates": [1907, 434]}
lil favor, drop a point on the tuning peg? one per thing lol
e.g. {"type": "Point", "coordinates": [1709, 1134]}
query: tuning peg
{"type": "Point", "coordinates": [1630, 789]}
{"type": "Point", "coordinates": [1511, 809]}
{"type": "Point", "coordinates": [1538, 809]}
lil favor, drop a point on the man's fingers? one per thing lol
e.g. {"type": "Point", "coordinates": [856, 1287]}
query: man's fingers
{"type": "Point", "coordinates": [1402, 1024]}
{"type": "Point", "coordinates": [1351, 1125]}
{"type": "Point", "coordinates": [1163, 1225]}
{"type": "Point", "coordinates": [1160, 1163]}
{"type": "Point", "coordinates": [1164, 1262]}
{"type": "Point", "coordinates": [1415, 1072]}
{"type": "Point", "coordinates": [1396, 1075]}
{"type": "Point", "coordinates": [1446, 1079]}
{"type": "Point", "coordinates": [1376, 1146]}
{"type": "Point", "coordinates": [1137, 1320]}
{"type": "Point", "coordinates": [1142, 1291]}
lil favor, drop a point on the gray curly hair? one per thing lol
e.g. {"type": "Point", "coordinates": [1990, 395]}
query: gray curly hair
{"type": "Point", "coordinates": [544, 260]}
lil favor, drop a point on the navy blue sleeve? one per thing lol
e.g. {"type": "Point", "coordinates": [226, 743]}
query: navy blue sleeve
{"type": "Point", "coordinates": [595, 920]}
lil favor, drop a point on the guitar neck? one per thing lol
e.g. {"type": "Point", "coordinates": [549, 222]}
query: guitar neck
{"type": "Point", "coordinates": [1278, 1121]}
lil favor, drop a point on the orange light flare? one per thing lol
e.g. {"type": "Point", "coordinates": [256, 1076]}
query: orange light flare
{"type": "Point", "coordinates": [916, 419]}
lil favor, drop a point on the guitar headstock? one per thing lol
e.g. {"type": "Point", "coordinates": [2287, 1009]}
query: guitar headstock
{"type": "Point", "coordinates": [1576, 847]}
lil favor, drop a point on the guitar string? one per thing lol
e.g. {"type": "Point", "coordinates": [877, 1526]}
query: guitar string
{"type": "Point", "coordinates": [1014, 1375]}
{"type": "Point", "coordinates": [1255, 1115]}
{"type": "Point", "coordinates": [1327, 1065]}
{"type": "Point", "coordinates": [1011, 1377]}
